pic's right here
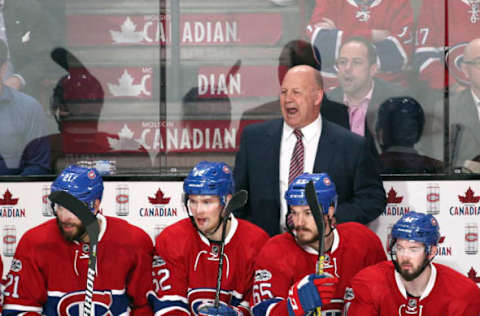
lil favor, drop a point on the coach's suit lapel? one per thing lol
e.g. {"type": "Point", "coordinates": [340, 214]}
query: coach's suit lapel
{"type": "Point", "coordinates": [326, 148]}
{"type": "Point", "coordinates": [272, 145]}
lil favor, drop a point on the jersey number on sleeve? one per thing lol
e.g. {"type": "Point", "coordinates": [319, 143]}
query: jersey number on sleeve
{"type": "Point", "coordinates": [12, 280]}
{"type": "Point", "coordinates": [261, 292]}
{"type": "Point", "coordinates": [163, 275]}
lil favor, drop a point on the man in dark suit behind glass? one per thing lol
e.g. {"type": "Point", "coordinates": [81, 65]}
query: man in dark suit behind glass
{"type": "Point", "coordinates": [262, 162]}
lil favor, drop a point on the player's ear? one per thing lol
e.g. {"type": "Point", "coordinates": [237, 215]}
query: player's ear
{"type": "Point", "coordinates": [433, 252]}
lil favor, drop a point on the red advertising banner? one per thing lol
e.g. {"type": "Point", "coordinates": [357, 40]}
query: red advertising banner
{"type": "Point", "coordinates": [116, 82]}
{"type": "Point", "coordinates": [248, 81]}
{"type": "Point", "coordinates": [152, 136]}
{"type": "Point", "coordinates": [195, 29]}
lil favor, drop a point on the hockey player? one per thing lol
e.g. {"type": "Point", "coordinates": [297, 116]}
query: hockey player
{"type": "Point", "coordinates": [48, 274]}
{"type": "Point", "coordinates": [186, 269]}
{"type": "Point", "coordinates": [386, 23]}
{"type": "Point", "coordinates": [285, 280]}
{"type": "Point", "coordinates": [410, 284]}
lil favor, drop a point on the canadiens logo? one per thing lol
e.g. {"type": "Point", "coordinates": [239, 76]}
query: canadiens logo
{"type": "Point", "coordinates": [454, 59]}
{"type": "Point", "coordinates": [469, 204]}
{"type": "Point", "coordinates": [72, 303]}
{"type": "Point", "coordinates": [262, 275]}
{"type": "Point", "coordinates": [394, 206]}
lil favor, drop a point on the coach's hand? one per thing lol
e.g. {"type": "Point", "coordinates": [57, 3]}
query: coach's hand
{"type": "Point", "coordinates": [310, 292]}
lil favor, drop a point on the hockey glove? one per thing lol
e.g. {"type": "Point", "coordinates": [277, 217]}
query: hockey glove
{"type": "Point", "coordinates": [309, 293]}
{"type": "Point", "coordinates": [211, 310]}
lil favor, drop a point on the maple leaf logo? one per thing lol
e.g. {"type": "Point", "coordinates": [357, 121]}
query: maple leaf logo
{"type": "Point", "coordinates": [392, 197]}
{"type": "Point", "coordinates": [472, 274]}
{"type": "Point", "coordinates": [159, 198]}
{"type": "Point", "coordinates": [125, 140]}
{"type": "Point", "coordinates": [469, 197]}
{"type": "Point", "coordinates": [7, 199]}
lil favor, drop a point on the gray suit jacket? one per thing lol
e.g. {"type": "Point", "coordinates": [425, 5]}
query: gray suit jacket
{"type": "Point", "coordinates": [342, 154]}
{"type": "Point", "coordinates": [464, 129]}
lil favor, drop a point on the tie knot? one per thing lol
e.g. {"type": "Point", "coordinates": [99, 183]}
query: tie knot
{"type": "Point", "coordinates": [298, 133]}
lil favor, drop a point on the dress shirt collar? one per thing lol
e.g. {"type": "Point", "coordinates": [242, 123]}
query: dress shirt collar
{"type": "Point", "coordinates": [308, 131]}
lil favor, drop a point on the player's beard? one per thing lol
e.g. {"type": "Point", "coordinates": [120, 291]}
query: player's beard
{"type": "Point", "coordinates": [305, 240]}
{"type": "Point", "coordinates": [409, 276]}
{"type": "Point", "coordinates": [75, 235]}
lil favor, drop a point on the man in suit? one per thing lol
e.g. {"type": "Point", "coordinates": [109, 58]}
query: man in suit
{"type": "Point", "coordinates": [464, 111]}
{"type": "Point", "coordinates": [359, 90]}
{"type": "Point", "coordinates": [263, 160]}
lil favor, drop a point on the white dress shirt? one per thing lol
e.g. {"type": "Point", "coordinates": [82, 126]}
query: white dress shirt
{"type": "Point", "coordinates": [311, 136]}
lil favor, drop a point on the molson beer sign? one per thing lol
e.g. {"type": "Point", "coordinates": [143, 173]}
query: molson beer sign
{"type": "Point", "coordinates": [468, 205]}
{"type": "Point", "coordinates": [159, 206]}
{"type": "Point", "coordinates": [395, 204]}
{"type": "Point", "coordinates": [195, 29]}
{"type": "Point", "coordinates": [218, 81]}
{"type": "Point", "coordinates": [154, 136]}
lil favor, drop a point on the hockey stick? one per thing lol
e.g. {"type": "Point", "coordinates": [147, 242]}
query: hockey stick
{"type": "Point", "coordinates": [237, 201]}
{"type": "Point", "coordinates": [317, 213]}
{"type": "Point", "coordinates": [88, 219]}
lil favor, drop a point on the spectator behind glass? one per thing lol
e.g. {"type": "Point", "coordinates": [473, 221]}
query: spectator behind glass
{"type": "Point", "coordinates": [24, 148]}
{"type": "Point", "coordinates": [399, 127]}
{"type": "Point", "coordinates": [359, 89]}
{"type": "Point", "coordinates": [464, 111]}
{"type": "Point", "coordinates": [387, 23]}
{"type": "Point", "coordinates": [76, 104]}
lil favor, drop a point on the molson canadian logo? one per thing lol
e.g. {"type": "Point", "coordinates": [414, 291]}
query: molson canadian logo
{"type": "Point", "coordinates": [394, 204]}
{"type": "Point", "coordinates": [468, 204]}
{"type": "Point", "coordinates": [7, 203]}
{"type": "Point", "coordinates": [472, 274]}
{"type": "Point", "coordinates": [159, 206]}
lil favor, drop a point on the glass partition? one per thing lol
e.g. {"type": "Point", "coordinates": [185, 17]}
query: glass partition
{"type": "Point", "coordinates": [153, 87]}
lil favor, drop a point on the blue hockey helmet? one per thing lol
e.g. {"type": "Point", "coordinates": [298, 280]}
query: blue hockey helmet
{"type": "Point", "coordinates": [324, 187]}
{"type": "Point", "coordinates": [210, 178]}
{"type": "Point", "coordinates": [416, 226]}
{"type": "Point", "coordinates": [85, 184]}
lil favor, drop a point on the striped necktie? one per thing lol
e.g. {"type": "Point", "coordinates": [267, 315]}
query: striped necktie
{"type": "Point", "coordinates": [296, 163]}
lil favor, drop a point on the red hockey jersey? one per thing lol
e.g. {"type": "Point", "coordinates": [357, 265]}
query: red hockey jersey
{"type": "Point", "coordinates": [48, 275]}
{"type": "Point", "coordinates": [282, 262]}
{"type": "Point", "coordinates": [432, 43]}
{"type": "Point", "coordinates": [352, 18]}
{"type": "Point", "coordinates": [185, 271]}
{"type": "Point", "coordinates": [378, 290]}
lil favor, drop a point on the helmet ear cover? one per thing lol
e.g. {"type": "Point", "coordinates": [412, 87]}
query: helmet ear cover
{"type": "Point", "coordinates": [85, 184]}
